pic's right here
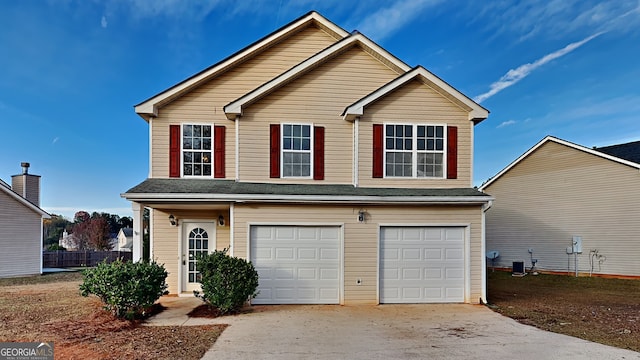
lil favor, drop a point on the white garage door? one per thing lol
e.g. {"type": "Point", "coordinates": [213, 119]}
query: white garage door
{"type": "Point", "coordinates": [422, 264]}
{"type": "Point", "coordinates": [296, 264]}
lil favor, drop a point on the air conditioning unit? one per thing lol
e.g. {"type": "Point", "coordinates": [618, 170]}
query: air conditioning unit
{"type": "Point", "coordinates": [518, 268]}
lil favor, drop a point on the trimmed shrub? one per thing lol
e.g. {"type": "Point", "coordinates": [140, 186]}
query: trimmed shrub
{"type": "Point", "coordinates": [128, 289]}
{"type": "Point", "coordinates": [227, 282]}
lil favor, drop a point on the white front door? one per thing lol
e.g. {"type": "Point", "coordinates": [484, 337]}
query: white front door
{"type": "Point", "coordinates": [197, 238]}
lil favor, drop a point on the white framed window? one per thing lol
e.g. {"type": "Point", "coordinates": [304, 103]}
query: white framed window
{"type": "Point", "coordinates": [197, 151]}
{"type": "Point", "coordinates": [414, 150]}
{"type": "Point", "coordinates": [297, 150]}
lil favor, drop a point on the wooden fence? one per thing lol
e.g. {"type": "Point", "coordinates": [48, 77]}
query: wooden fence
{"type": "Point", "coordinates": [64, 259]}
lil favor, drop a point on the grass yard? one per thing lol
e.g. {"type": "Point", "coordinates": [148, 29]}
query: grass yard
{"type": "Point", "coordinates": [606, 311]}
{"type": "Point", "coordinates": [50, 308]}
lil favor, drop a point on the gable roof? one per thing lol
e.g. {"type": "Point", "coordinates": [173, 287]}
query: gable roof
{"type": "Point", "coordinates": [149, 107]}
{"type": "Point", "coordinates": [23, 201]}
{"type": "Point", "coordinates": [477, 113]}
{"type": "Point", "coordinates": [629, 151]}
{"type": "Point", "coordinates": [562, 142]}
{"type": "Point", "coordinates": [234, 108]}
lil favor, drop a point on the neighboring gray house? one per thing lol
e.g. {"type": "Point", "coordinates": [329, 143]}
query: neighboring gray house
{"type": "Point", "coordinates": [21, 230]}
{"type": "Point", "coordinates": [558, 193]}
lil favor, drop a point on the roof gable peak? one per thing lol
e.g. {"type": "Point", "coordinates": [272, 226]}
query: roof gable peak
{"type": "Point", "coordinates": [149, 107]}
{"type": "Point", "coordinates": [556, 140]}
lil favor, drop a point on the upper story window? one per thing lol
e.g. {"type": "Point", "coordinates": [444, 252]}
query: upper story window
{"type": "Point", "coordinates": [296, 150]}
{"type": "Point", "coordinates": [196, 150]}
{"type": "Point", "coordinates": [414, 150]}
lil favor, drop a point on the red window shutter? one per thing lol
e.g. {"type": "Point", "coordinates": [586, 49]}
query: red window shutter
{"type": "Point", "coordinates": [275, 151]}
{"type": "Point", "coordinates": [378, 151]}
{"type": "Point", "coordinates": [318, 153]}
{"type": "Point", "coordinates": [174, 150]}
{"type": "Point", "coordinates": [452, 152]}
{"type": "Point", "coordinates": [218, 151]}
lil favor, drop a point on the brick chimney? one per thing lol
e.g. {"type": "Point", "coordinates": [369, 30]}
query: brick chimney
{"type": "Point", "coordinates": [27, 185]}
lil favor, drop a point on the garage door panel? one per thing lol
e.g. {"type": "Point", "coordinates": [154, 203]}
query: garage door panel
{"type": "Point", "coordinates": [307, 274]}
{"type": "Point", "coordinates": [411, 254]}
{"type": "Point", "coordinates": [431, 268]}
{"type": "Point", "coordinates": [454, 254]}
{"type": "Point", "coordinates": [283, 274]}
{"type": "Point", "coordinates": [305, 268]}
{"type": "Point", "coordinates": [329, 274]}
{"type": "Point", "coordinates": [411, 274]}
{"type": "Point", "coordinates": [433, 254]}
{"type": "Point", "coordinates": [329, 254]}
{"type": "Point", "coordinates": [284, 254]}
{"type": "Point", "coordinates": [433, 274]}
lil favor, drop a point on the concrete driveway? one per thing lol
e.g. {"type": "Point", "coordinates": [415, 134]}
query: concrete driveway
{"type": "Point", "coordinates": [384, 332]}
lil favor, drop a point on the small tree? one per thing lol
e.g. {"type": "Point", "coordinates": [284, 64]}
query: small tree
{"type": "Point", "coordinates": [127, 289]}
{"type": "Point", "coordinates": [227, 282]}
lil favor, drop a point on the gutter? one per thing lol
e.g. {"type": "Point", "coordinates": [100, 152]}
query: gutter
{"type": "Point", "coordinates": [328, 199]}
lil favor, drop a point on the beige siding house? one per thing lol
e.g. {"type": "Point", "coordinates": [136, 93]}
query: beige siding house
{"type": "Point", "coordinates": [558, 193]}
{"type": "Point", "coordinates": [21, 232]}
{"type": "Point", "coordinates": [342, 173]}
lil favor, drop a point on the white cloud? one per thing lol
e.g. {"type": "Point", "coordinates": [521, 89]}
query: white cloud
{"type": "Point", "coordinates": [386, 21]}
{"type": "Point", "coordinates": [513, 76]}
{"type": "Point", "coordinates": [506, 123]}
{"type": "Point", "coordinates": [103, 22]}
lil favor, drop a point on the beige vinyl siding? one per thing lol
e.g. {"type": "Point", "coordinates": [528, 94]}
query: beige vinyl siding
{"type": "Point", "coordinates": [415, 103]}
{"type": "Point", "coordinates": [361, 239]}
{"type": "Point", "coordinates": [166, 238]}
{"type": "Point", "coordinates": [317, 98]}
{"type": "Point", "coordinates": [20, 238]}
{"type": "Point", "coordinates": [558, 192]}
{"type": "Point", "coordinates": [204, 104]}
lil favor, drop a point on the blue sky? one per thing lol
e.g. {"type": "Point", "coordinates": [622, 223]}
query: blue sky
{"type": "Point", "coordinates": [71, 71]}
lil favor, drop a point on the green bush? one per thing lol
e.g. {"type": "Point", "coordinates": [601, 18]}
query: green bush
{"type": "Point", "coordinates": [128, 289]}
{"type": "Point", "coordinates": [227, 282]}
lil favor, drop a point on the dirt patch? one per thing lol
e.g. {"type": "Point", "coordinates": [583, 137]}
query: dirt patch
{"type": "Point", "coordinates": [606, 311]}
{"type": "Point", "coordinates": [54, 311]}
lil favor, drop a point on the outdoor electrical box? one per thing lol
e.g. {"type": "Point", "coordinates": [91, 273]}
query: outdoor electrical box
{"type": "Point", "coordinates": [576, 244]}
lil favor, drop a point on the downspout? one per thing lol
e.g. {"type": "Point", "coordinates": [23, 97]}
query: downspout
{"type": "Point", "coordinates": [356, 145]}
{"type": "Point", "coordinates": [232, 222]}
{"type": "Point", "coordinates": [41, 242]}
{"type": "Point", "coordinates": [237, 162]}
{"type": "Point", "coordinates": [483, 251]}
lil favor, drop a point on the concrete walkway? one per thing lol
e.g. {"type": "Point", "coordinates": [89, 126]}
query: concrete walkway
{"type": "Point", "coordinates": [381, 332]}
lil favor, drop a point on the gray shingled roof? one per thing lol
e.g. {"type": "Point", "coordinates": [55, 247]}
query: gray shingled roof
{"type": "Point", "coordinates": [229, 187]}
{"type": "Point", "coordinates": [629, 151]}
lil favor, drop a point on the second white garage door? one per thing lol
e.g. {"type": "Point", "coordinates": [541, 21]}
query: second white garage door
{"type": "Point", "coordinates": [422, 264]}
{"type": "Point", "coordinates": [296, 264]}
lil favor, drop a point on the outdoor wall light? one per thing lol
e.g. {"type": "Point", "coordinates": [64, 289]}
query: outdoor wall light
{"type": "Point", "coordinates": [172, 220]}
{"type": "Point", "coordinates": [221, 220]}
{"type": "Point", "coordinates": [362, 215]}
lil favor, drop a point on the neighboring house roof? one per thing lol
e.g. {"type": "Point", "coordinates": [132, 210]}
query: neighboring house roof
{"type": "Point", "coordinates": [547, 139]}
{"type": "Point", "coordinates": [195, 190]}
{"type": "Point", "coordinates": [628, 151]}
{"type": "Point", "coordinates": [477, 113]}
{"type": "Point", "coordinates": [149, 107]}
{"type": "Point", "coordinates": [127, 232]}
{"type": "Point", "coordinates": [24, 201]}
{"type": "Point", "coordinates": [234, 108]}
